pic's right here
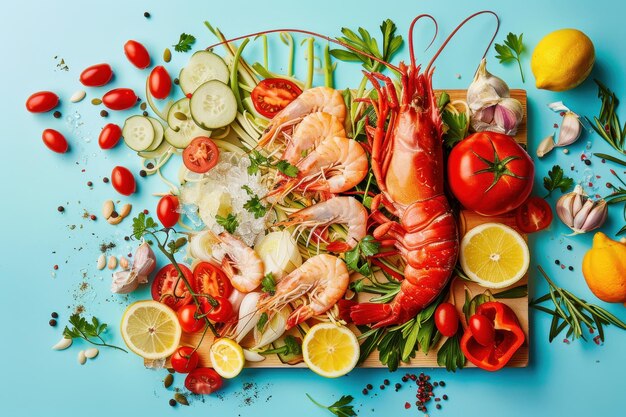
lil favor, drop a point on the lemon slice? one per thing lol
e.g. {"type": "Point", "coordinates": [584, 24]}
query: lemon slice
{"type": "Point", "coordinates": [150, 329]}
{"type": "Point", "coordinates": [494, 255]}
{"type": "Point", "coordinates": [227, 357]}
{"type": "Point", "coordinates": [330, 350]}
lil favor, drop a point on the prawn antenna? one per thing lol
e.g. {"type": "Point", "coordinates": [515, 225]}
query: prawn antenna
{"type": "Point", "coordinates": [411, 51]}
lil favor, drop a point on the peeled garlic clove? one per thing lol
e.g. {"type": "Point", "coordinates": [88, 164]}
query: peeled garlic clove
{"type": "Point", "coordinates": [508, 115]}
{"type": "Point", "coordinates": [570, 131]}
{"type": "Point", "coordinates": [91, 353]}
{"type": "Point", "coordinates": [81, 357]}
{"type": "Point", "coordinates": [545, 146]}
{"type": "Point", "coordinates": [102, 261]}
{"type": "Point", "coordinates": [124, 282]}
{"type": "Point", "coordinates": [62, 344]}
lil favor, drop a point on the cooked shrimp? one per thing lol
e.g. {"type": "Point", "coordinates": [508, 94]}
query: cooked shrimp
{"type": "Point", "coordinates": [313, 100]}
{"type": "Point", "coordinates": [310, 132]}
{"type": "Point", "coordinates": [242, 264]}
{"type": "Point", "coordinates": [344, 210]}
{"type": "Point", "coordinates": [323, 278]}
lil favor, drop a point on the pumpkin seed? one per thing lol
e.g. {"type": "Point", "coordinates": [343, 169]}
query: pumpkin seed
{"type": "Point", "coordinates": [167, 55]}
{"type": "Point", "coordinates": [96, 101]}
{"type": "Point", "coordinates": [181, 399]}
{"type": "Point", "coordinates": [168, 381]}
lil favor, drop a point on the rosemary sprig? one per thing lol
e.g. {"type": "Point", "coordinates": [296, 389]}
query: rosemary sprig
{"type": "Point", "coordinates": [572, 313]}
{"type": "Point", "coordinates": [608, 125]}
{"type": "Point", "coordinates": [618, 196]}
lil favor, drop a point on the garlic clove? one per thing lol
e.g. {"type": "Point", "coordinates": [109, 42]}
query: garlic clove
{"type": "Point", "coordinates": [564, 209]}
{"type": "Point", "coordinates": [545, 146]}
{"type": "Point", "coordinates": [570, 131]}
{"type": "Point", "coordinates": [145, 260]}
{"type": "Point", "coordinates": [91, 353]}
{"type": "Point", "coordinates": [485, 114]}
{"type": "Point", "coordinates": [579, 212]}
{"type": "Point", "coordinates": [124, 282]}
{"type": "Point", "coordinates": [62, 344]}
{"type": "Point", "coordinates": [597, 216]}
{"type": "Point", "coordinates": [508, 115]}
{"type": "Point", "coordinates": [581, 215]}
{"type": "Point", "coordinates": [579, 199]}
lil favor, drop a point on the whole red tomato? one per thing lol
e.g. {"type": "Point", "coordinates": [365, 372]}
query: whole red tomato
{"type": "Point", "coordinates": [185, 360]}
{"type": "Point", "coordinates": [42, 102]}
{"type": "Point", "coordinates": [137, 54]}
{"type": "Point", "coordinates": [96, 75]}
{"type": "Point", "coordinates": [446, 319]}
{"type": "Point", "coordinates": [160, 82]}
{"type": "Point", "coordinates": [490, 173]}
{"type": "Point", "coordinates": [167, 210]}
{"type": "Point", "coordinates": [123, 180]}
{"type": "Point", "coordinates": [120, 99]}
{"type": "Point", "coordinates": [109, 136]}
{"type": "Point", "coordinates": [187, 318]}
{"type": "Point", "coordinates": [55, 141]}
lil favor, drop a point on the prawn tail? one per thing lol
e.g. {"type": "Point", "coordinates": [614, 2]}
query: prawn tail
{"type": "Point", "coordinates": [299, 315]}
{"type": "Point", "coordinates": [339, 246]}
{"type": "Point", "coordinates": [367, 313]}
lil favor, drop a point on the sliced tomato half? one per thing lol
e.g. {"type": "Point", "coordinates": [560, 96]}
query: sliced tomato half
{"type": "Point", "coordinates": [201, 155]}
{"type": "Point", "coordinates": [210, 279]}
{"type": "Point", "coordinates": [163, 286]}
{"type": "Point", "coordinates": [274, 94]}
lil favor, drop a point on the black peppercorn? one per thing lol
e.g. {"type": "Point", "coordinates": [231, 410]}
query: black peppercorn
{"type": "Point", "coordinates": [172, 402]}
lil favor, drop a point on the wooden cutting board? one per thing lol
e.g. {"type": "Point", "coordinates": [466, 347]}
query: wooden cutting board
{"type": "Point", "coordinates": [467, 221]}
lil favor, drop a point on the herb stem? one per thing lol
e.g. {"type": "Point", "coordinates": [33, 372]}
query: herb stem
{"type": "Point", "coordinates": [86, 338]}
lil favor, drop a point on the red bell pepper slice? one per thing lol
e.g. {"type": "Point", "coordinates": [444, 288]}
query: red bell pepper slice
{"type": "Point", "coordinates": [508, 339]}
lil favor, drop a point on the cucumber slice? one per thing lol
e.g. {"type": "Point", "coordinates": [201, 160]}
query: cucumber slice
{"type": "Point", "coordinates": [182, 129]}
{"type": "Point", "coordinates": [213, 105]}
{"type": "Point", "coordinates": [158, 134]}
{"type": "Point", "coordinates": [138, 133]}
{"type": "Point", "coordinates": [203, 66]}
{"type": "Point", "coordinates": [162, 149]}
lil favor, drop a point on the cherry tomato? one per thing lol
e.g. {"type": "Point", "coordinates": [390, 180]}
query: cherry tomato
{"type": "Point", "coordinates": [446, 319]}
{"type": "Point", "coordinates": [55, 141]}
{"type": "Point", "coordinates": [163, 287]}
{"type": "Point", "coordinates": [159, 82]}
{"type": "Point", "coordinates": [533, 215]}
{"type": "Point", "coordinates": [109, 136]}
{"type": "Point", "coordinates": [167, 210]}
{"type": "Point", "coordinates": [187, 318]}
{"type": "Point", "coordinates": [42, 102]}
{"type": "Point", "coordinates": [220, 314]}
{"type": "Point", "coordinates": [120, 99]}
{"type": "Point", "coordinates": [210, 279]}
{"type": "Point", "coordinates": [123, 180]}
{"type": "Point", "coordinates": [203, 381]}
{"type": "Point", "coordinates": [482, 329]}
{"type": "Point", "coordinates": [273, 94]}
{"type": "Point", "coordinates": [185, 360]}
{"type": "Point", "coordinates": [200, 155]}
{"type": "Point", "coordinates": [137, 54]}
{"type": "Point", "coordinates": [96, 75]}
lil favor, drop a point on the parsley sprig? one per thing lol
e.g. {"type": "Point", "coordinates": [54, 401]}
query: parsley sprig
{"type": "Point", "coordinates": [258, 160]}
{"type": "Point", "coordinates": [557, 179]}
{"type": "Point", "coordinates": [356, 259]}
{"type": "Point", "coordinates": [89, 331]}
{"type": "Point", "coordinates": [268, 284]}
{"type": "Point", "coordinates": [511, 51]}
{"type": "Point", "coordinates": [254, 205]}
{"type": "Point", "coordinates": [184, 43]}
{"type": "Point", "coordinates": [229, 223]}
{"type": "Point", "coordinates": [455, 124]}
{"type": "Point", "coordinates": [340, 408]}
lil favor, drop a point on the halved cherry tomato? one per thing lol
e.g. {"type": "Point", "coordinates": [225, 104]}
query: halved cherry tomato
{"type": "Point", "coordinates": [185, 360]}
{"type": "Point", "coordinates": [120, 99]}
{"type": "Point", "coordinates": [42, 102]}
{"type": "Point", "coordinates": [123, 180]}
{"type": "Point", "coordinates": [200, 155]}
{"type": "Point", "coordinates": [55, 141]}
{"type": "Point", "coordinates": [482, 329]}
{"type": "Point", "coordinates": [533, 215]}
{"type": "Point", "coordinates": [109, 136]}
{"type": "Point", "coordinates": [203, 381]}
{"type": "Point", "coordinates": [137, 54]}
{"type": "Point", "coordinates": [273, 94]}
{"type": "Point", "coordinates": [210, 279]}
{"type": "Point", "coordinates": [167, 210]}
{"type": "Point", "coordinates": [446, 319]}
{"type": "Point", "coordinates": [159, 82]}
{"type": "Point", "coordinates": [163, 286]}
{"type": "Point", "coordinates": [96, 75]}
{"type": "Point", "coordinates": [220, 314]}
{"type": "Point", "coordinates": [187, 318]}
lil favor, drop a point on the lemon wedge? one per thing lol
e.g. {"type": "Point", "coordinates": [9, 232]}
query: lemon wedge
{"type": "Point", "coordinates": [494, 255]}
{"type": "Point", "coordinates": [330, 350]}
{"type": "Point", "coordinates": [227, 357]}
{"type": "Point", "coordinates": [150, 329]}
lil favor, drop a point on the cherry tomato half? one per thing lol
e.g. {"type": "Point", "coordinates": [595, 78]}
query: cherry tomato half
{"type": "Point", "coordinates": [210, 279]}
{"type": "Point", "coordinates": [120, 99]}
{"type": "Point", "coordinates": [167, 210]}
{"type": "Point", "coordinates": [185, 360]}
{"type": "Point", "coordinates": [482, 329]}
{"type": "Point", "coordinates": [163, 286]}
{"type": "Point", "coordinates": [55, 141]}
{"type": "Point", "coordinates": [274, 94]}
{"type": "Point", "coordinates": [123, 180]}
{"type": "Point", "coordinates": [109, 136]}
{"type": "Point", "coordinates": [137, 54]}
{"type": "Point", "coordinates": [200, 155]}
{"type": "Point", "coordinates": [42, 102]}
{"type": "Point", "coordinates": [533, 215]}
{"type": "Point", "coordinates": [159, 82]}
{"type": "Point", "coordinates": [187, 318]}
{"type": "Point", "coordinates": [220, 314]}
{"type": "Point", "coordinates": [446, 319]}
{"type": "Point", "coordinates": [96, 75]}
{"type": "Point", "coordinates": [203, 381]}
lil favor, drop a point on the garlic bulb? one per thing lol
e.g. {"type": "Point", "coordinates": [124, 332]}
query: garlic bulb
{"type": "Point", "coordinates": [486, 89]}
{"type": "Point", "coordinates": [581, 214]}
{"type": "Point", "coordinates": [128, 281]}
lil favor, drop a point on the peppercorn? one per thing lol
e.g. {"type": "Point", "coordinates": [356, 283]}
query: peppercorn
{"type": "Point", "coordinates": [382, 386]}
{"type": "Point", "coordinates": [398, 385]}
{"type": "Point", "coordinates": [405, 378]}
{"type": "Point", "coordinates": [55, 267]}
{"type": "Point", "coordinates": [386, 382]}
{"type": "Point", "coordinates": [443, 384]}
{"type": "Point", "coordinates": [142, 173]}
{"type": "Point", "coordinates": [407, 405]}
{"type": "Point", "coordinates": [57, 114]}
{"type": "Point", "coordinates": [445, 397]}
{"type": "Point", "coordinates": [145, 211]}
{"type": "Point", "coordinates": [54, 315]}
{"type": "Point", "coordinates": [126, 238]}
{"type": "Point", "coordinates": [93, 217]}
{"type": "Point", "coordinates": [172, 402]}
{"type": "Point", "coordinates": [435, 384]}
{"type": "Point", "coordinates": [571, 268]}
{"type": "Point", "coordinates": [369, 386]}
{"type": "Point", "coordinates": [147, 16]}
{"type": "Point", "coordinates": [365, 391]}
{"type": "Point", "coordinates": [556, 261]}
{"type": "Point", "coordinates": [105, 180]}
{"type": "Point", "coordinates": [61, 209]}
{"type": "Point", "coordinates": [587, 162]}
{"type": "Point", "coordinates": [104, 113]}
{"type": "Point", "coordinates": [176, 81]}
{"type": "Point", "coordinates": [438, 406]}
{"type": "Point", "coordinates": [89, 184]}
{"type": "Point", "coordinates": [569, 247]}
{"type": "Point", "coordinates": [52, 322]}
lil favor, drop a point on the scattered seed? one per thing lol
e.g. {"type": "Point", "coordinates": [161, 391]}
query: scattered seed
{"type": "Point", "coordinates": [143, 106]}
{"type": "Point", "coordinates": [172, 402]}
{"type": "Point", "coordinates": [142, 173]}
{"type": "Point", "coordinates": [54, 315]}
{"type": "Point", "coordinates": [57, 114]}
{"type": "Point", "coordinates": [149, 165]}
{"type": "Point", "coordinates": [176, 81]}
{"type": "Point", "coordinates": [557, 262]}
{"type": "Point", "coordinates": [168, 381]}
{"type": "Point", "coordinates": [55, 267]}
{"type": "Point", "coordinates": [81, 357]}
{"type": "Point", "coordinates": [398, 386]}
{"type": "Point", "coordinates": [104, 113]}
{"type": "Point", "coordinates": [78, 96]}
{"type": "Point", "coordinates": [112, 264]}
{"type": "Point", "coordinates": [565, 151]}
{"type": "Point", "coordinates": [101, 262]}
{"type": "Point", "coordinates": [365, 391]}
{"type": "Point", "coordinates": [180, 116]}
{"type": "Point", "coordinates": [167, 55]}
{"type": "Point", "coordinates": [91, 353]}
{"type": "Point", "coordinates": [171, 370]}
{"type": "Point", "coordinates": [369, 386]}
{"type": "Point", "coordinates": [438, 406]}
{"type": "Point", "coordinates": [445, 397]}
{"type": "Point", "coordinates": [181, 399]}
{"type": "Point", "coordinates": [571, 268]}
{"type": "Point", "coordinates": [105, 180]}
{"type": "Point", "coordinates": [52, 322]}
{"type": "Point", "coordinates": [146, 15]}
{"type": "Point", "coordinates": [89, 184]}
{"type": "Point", "coordinates": [407, 405]}
{"type": "Point", "coordinates": [96, 101]}
{"type": "Point", "coordinates": [145, 211]}
{"type": "Point", "coordinates": [587, 162]}
{"type": "Point", "coordinates": [93, 217]}
{"type": "Point", "coordinates": [145, 114]}
{"type": "Point", "coordinates": [60, 209]}
{"type": "Point", "coordinates": [386, 382]}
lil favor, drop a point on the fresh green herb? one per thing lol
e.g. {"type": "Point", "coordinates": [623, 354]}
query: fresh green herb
{"type": "Point", "coordinates": [455, 129]}
{"type": "Point", "coordinates": [143, 225]}
{"type": "Point", "coordinates": [450, 354]}
{"type": "Point", "coordinates": [229, 223]}
{"type": "Point", "coordinates": [248, 190]}
{"type": "Point", "coordinates": [557, 179]}
{"type": "Point", "coordinates": [262, 322]}
{"type": "Point", "coordinates": [356, 258]}
{"type": "Point", "coordinates": [608, 125]}
{"type": "Point", "coordinates": [257, 160]}
{"type": "Point", "coordinates": [340, 408]}
{"type": "Point", "coordinates": [89, 331]}
{"type": "Point", "coordinates": [184, 43]}
{"type": "Point", "coordinates": [511, 51]}
{"type": "Point", "coordinates": [572, 313]}
{"type": "Point", "coordinates": [618, 196]}
{"type": "Point", "coordinates": [255, 207]}
{"type": "Point", "coordinates": [291, 347]}
{"type": "Point", "coordinates": [443, 100]}
{"type": "Point", "coordinates": [268, 284]}
{"type": "Point", "coordinates": [286, 168]}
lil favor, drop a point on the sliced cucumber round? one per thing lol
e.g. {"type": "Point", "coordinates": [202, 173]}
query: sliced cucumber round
{"type": "Point", "coordinates": [160, 150]}
{"type": "Point", "coordinates": [158, 133]}
{"type": "Point", "coordinates": [203, 66]}
{"type": "Point", "coordinates": [138, 133]}
{"type": "Point", "coordinates": [213, 105]}
{"type": "Point", "coordinates": [182, 128]}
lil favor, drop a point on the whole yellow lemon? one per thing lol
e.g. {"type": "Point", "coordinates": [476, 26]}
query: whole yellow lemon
{"type": "Point", "coordinates": [604, 268]}
{"type": "Point", "coordinates": [562, 60]}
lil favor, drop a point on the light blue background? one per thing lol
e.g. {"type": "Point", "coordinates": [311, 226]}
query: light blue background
{"type": "Point", "coordinates": [577, 379]}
